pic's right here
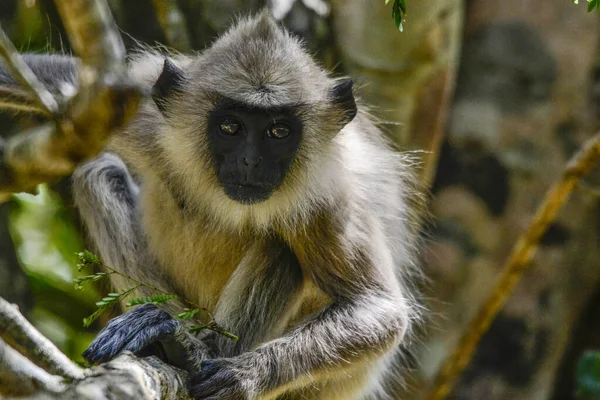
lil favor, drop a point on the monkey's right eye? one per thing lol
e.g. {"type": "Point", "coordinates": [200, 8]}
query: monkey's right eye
{"type": "Point", "coordinates": [229, 126]}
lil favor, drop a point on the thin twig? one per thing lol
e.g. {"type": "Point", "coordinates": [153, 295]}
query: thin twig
{"type": "Point", "coordinates": [20, 377]}
{"type": "Point", "coordinates": [21, 72]}
{"type": "Point", "coordinates": [520, 257]}
{"type": "Point", "coordinates": [21, 335]}
{"type": "Point", "coordinates": [212, 324]}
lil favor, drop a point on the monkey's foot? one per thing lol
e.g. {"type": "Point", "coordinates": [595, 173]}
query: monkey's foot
{"type": "Point", "coordinates": [132, 331]}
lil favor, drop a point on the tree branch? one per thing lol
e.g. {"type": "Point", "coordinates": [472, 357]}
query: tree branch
{"type": "Point", "coordinates": [126, 377]}
{"type": "Point", "coordinates": [105, 102]}
{"type": "Point", "coordinates": [21, 335]}
{"type": "Point", "coordinates": [20, 377]}
{"type": "Point", "coordinates": [518, 261]}
{"type": "Point", "coordinates": [24, 75]}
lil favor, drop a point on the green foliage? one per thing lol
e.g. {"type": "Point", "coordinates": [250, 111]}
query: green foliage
{"type": "Point", "coordinates": [592, 4]}
{"type": "Point", "coordinates": [197, 328]}
{"type": "Point", "coordinates": [46, 240]}
{"type": "Point", "coordinates": [399, 11]}
{"type": "Point", "coordinates": [588, 376]}
{"type": "Point", "coordinates": [156, 299]}
{"type": "Point", "coordinates": [110, 300]}
{"type": "Point", "coordinates": [86, 259]}
{"type": "Point", "coordinates": [188, 313]}
{"type": "Point", "coordinates": [80, 281]}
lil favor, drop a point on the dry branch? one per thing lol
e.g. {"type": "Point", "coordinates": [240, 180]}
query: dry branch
{"type": "Point", "coordinates": [20, 377]}
{"type": "Point", "coordinates": [21, 335]}
{"type": "Point", "coordinates": [126, 377]}
{"type": "Point", "coordinates": [106, 100]}
{"type": "Point", "coordinates": [518, 261]}
{"type": "Point", "coordinates": [24, 75]}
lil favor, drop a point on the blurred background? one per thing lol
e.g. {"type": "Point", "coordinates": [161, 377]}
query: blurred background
{"type": "Point", "coordinates": [494, 97]}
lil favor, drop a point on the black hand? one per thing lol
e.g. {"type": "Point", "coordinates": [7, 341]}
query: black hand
{"type": "Point", "coordinates": [132, 331]}
{"type": "Point", "coordinates": [218, 379]}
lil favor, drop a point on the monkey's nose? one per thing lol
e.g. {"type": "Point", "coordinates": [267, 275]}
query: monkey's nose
{"type": "Point", "coordinates": [251, 162]}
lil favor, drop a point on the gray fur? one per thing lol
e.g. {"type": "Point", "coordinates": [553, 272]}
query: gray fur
{"type": "Point", "coordinates": [58, 73]}
{"type": "Point", "coordinates": [315, 279]}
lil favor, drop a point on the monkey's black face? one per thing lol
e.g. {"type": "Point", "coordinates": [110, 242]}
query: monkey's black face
{"type": "Point", "coordinates": [252, 148]}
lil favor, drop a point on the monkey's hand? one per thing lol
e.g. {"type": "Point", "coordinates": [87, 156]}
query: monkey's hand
{"type": "Point", "coordinates": [226, 379]}
{"type": "Point", "coordinates": [137, 331]}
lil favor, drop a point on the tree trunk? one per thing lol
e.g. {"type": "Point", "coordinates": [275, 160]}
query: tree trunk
{"type": "Point", "coordinates": [408, 77]}
{"type": "Point", "coordinates": [523, 105]}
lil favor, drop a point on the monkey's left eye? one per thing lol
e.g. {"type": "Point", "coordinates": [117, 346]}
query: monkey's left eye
{"type": "Point", "coordinates": [229, 126]}
{"type": "Point", "coordinates": [279, 131]}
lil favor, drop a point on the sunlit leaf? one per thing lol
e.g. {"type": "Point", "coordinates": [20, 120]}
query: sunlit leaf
{"type": "Point", "coordinates": [188, 313]}
{"type": "Point", "coordinates": [398, 12]}
{"type": "Point", "coordinates": [80, 281]}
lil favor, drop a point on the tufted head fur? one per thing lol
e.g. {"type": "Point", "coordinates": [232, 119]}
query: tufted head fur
{"type": "Point", "coordinates": [260, 64]}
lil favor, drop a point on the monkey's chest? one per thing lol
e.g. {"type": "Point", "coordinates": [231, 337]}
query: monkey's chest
{"type": "Point", "coordinates": [198, 262]}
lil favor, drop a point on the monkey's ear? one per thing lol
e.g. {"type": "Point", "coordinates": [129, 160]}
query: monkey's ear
{"type": "Point", "coordinates": [170, 81]}
{"type": "Point", "coordinates": [344, 98]}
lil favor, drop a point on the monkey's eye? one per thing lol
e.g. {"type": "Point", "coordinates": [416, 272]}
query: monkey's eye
{"type": "Point", "coordinates": [229, 126]}
{"type": "Point", "coordinates": [279, 131]}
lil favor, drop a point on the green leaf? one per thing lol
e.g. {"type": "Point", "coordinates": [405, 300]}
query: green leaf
{"type": "Point", "coordinates": [86, 259]}
{"type": "Point", "coordinates": [87, 321]}
{"type": "Point", "coordinates": [398, 10]}
{"type": "Point", "coordinates": [197, 328]}
{"type": "Point", "coordinates": [588, 375]}
{"type": "Point", "coordinates": [80, 281]}
{"type": "Point", "coordinates": [386, 2]}
{"type": "Point", "coordinates": [403, 6]}
{"type": "Point", "coordinates": [188, 313]}
{"type": "Point", "coordinates": [109, 301]}
{"type": "Point", "coordinates": [157, 299]}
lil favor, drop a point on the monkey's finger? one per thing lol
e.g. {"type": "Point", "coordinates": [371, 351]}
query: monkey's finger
{"type": "Point", "coordinates": [117, 334]}
{"type": "Point", "coordinates": [150, 335]}
{"type": "Point", "coordinates": [119, 331]}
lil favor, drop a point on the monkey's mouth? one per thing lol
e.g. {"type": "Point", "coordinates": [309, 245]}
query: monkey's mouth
{"type": "Point", "coordinates": [247, 193]}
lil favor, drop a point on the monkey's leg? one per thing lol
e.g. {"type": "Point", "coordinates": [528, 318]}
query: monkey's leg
{"type": "Point", "coordinates": [328, 347]}
{"type": "Point", "coordinates": [366, 319]}
{"type": "Point", "coordinates": [106, 197]}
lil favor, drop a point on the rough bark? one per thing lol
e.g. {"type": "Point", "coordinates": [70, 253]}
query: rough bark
{"type": "Point", "coordinates": [30, 365]}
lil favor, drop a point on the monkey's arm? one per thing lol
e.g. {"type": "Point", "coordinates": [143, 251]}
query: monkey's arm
{"type": "Point", "coordinates": [106, 197]}
{"type": "Point", "coordinates": [368, 316]}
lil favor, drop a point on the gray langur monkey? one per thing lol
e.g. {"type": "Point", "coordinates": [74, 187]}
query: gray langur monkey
{"type": "Point", "coordinates": [253, 185]}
